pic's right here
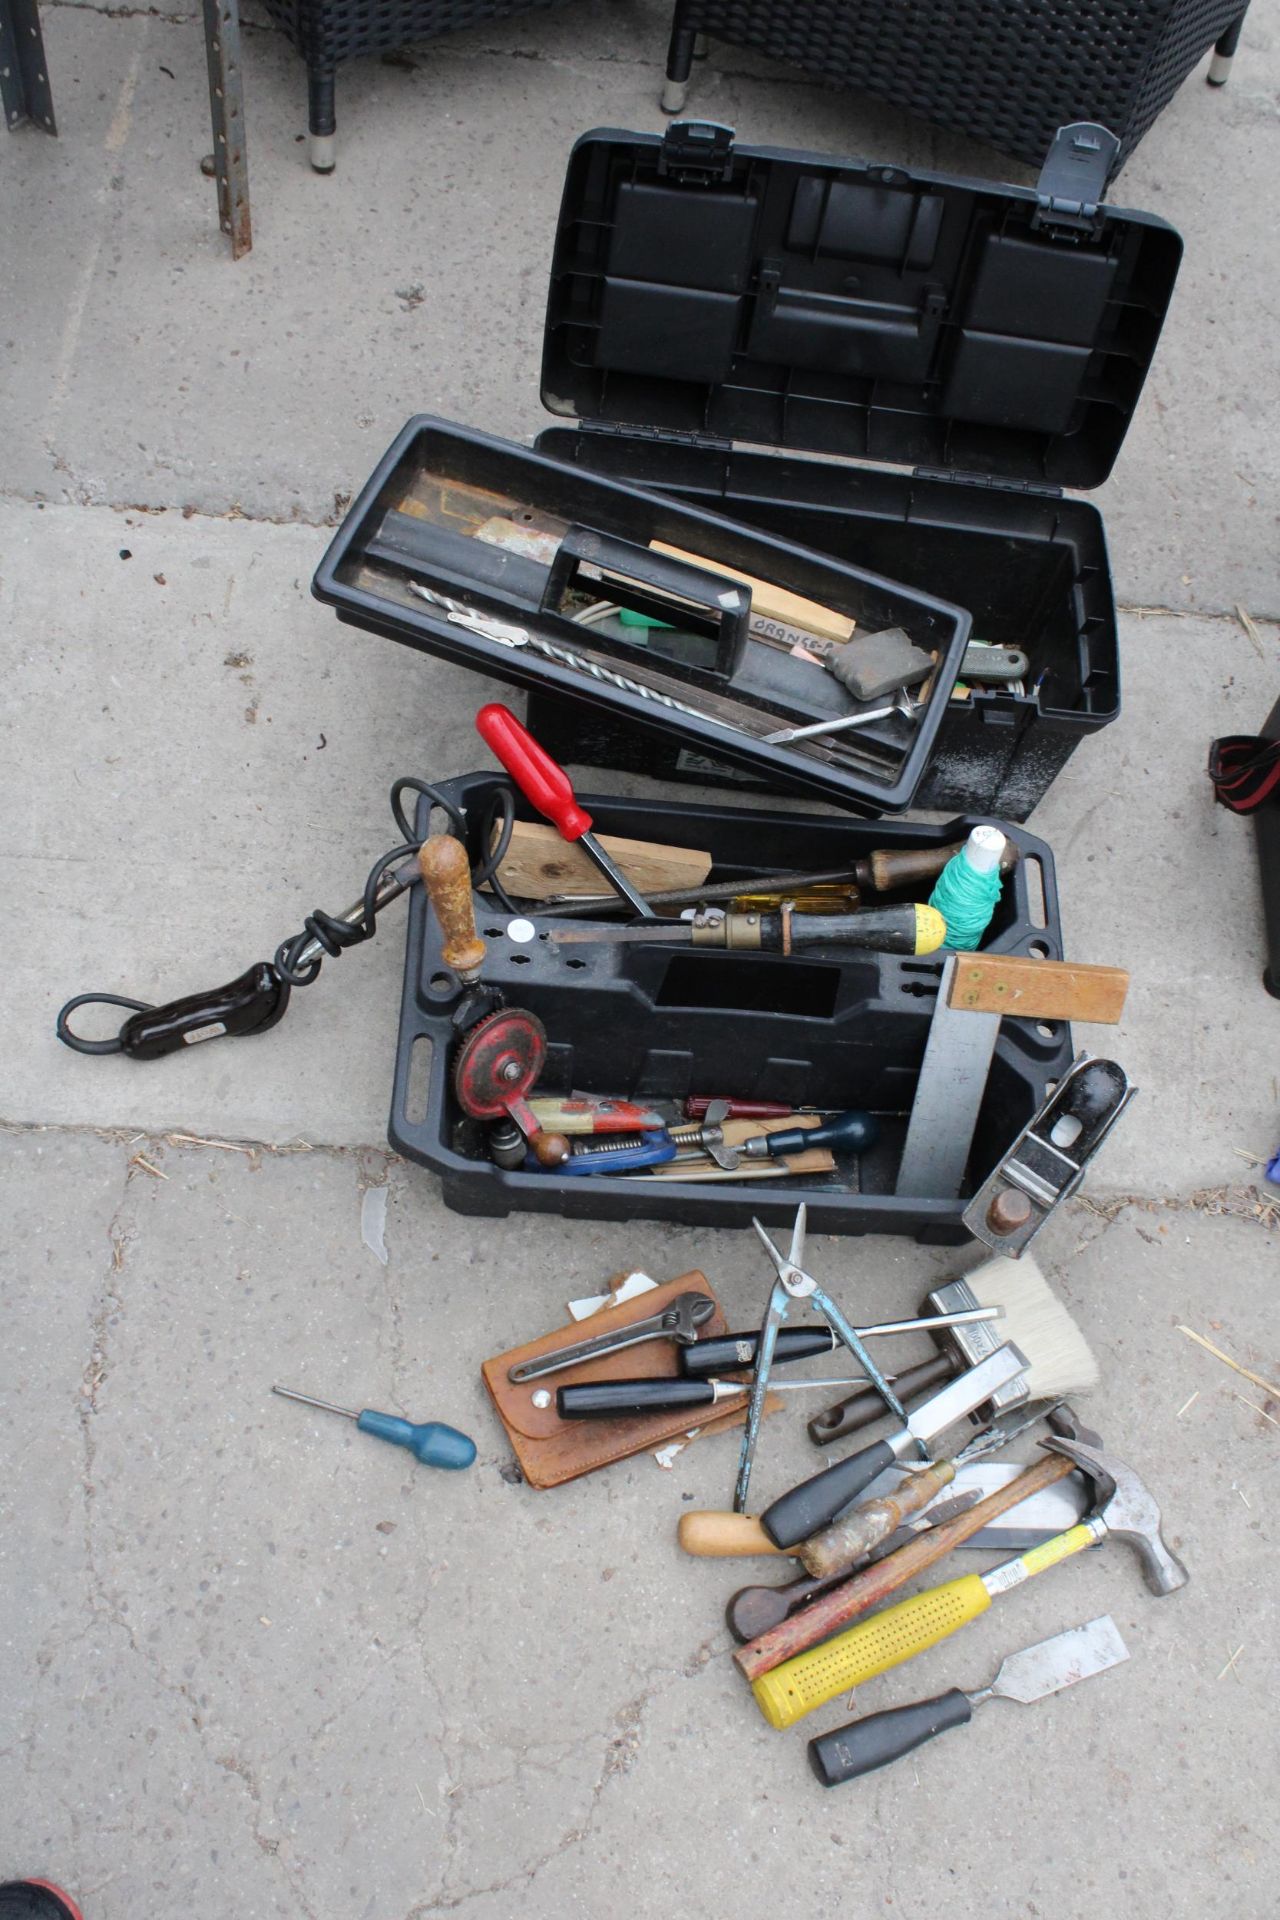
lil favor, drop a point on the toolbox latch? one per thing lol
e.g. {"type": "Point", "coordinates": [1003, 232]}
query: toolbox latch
{"type": "Point", "coordinates": [1073, 179]}
{"type": "Point", "coordinates": [699, 151]}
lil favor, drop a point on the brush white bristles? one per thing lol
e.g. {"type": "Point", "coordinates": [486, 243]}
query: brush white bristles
{"type": "Point", "coordinates": [1036, 1320]}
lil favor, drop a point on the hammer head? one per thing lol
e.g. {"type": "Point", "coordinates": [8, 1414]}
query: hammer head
{"type": "Point", "coordinates": [1128, 1510]}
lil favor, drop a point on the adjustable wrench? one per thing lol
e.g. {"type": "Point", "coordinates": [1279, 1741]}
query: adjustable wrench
{"type": "Point", "coordinates": [679, 1322]}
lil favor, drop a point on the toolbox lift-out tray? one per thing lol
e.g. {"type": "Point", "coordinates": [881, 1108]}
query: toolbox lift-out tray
{"type": "Point", "coordinates": [415, 524]}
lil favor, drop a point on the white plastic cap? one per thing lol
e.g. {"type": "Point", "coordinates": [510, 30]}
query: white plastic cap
{"type": "Point", "coordinates": [985, 849]}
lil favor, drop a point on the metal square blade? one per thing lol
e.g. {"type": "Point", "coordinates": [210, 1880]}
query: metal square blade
{"type": "Point", "coordinates": [1051, 1665]}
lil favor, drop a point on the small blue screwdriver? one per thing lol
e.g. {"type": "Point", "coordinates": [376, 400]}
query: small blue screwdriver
{"type": "Point", "coordinates": [429, 1441]}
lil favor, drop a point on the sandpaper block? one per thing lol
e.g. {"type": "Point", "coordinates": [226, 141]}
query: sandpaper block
{"type": "Point", "coordinates": [879, 663]}
{"type": "Point", "coordinates": [551, 1450]}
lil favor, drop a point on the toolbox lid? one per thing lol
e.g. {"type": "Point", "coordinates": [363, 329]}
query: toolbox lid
{"type": "Point", "coordinates": [704, 288]}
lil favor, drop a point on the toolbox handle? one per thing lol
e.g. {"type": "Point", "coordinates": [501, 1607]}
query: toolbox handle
{"type": "Point", "coordinates": [673, 592]}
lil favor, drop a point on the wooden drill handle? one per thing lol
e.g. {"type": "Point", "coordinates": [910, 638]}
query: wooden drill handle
{"type": "Point", "coordinates": [846, 1540]}
{"type": "Point", "coordinates": [722, 1536]}
{"type": "Point", "coordinates": [874, 1584]}
{"type": "Point", "coordinates": [446, 875]}
{"type": "Point", "coordinates": [893, 869]}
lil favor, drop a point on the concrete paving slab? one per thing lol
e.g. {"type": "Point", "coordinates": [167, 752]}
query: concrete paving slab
{"type": "Point", "coordinates": [259, 1664]}
{"type": "Point", "coordinates": [288, 1668]}
{"type": "Point", "coordinates": [182, 817]}
{"type": "Point", "coordinates": [147, 369]}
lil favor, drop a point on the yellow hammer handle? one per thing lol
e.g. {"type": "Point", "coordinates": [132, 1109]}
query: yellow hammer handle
{"type": "Point", "coordinates": [873, 1646]}
{"type": "Point", "coordinates": [723, 1535]}
{"type": "Point", "coordinates": [1039, 1559]}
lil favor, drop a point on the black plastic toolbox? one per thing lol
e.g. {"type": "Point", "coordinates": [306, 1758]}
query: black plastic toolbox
{"type": "Point", "coordinates": [830, 1030]}
{"type": "Point", "coordinates": [709, 300]}
{"type": "Point", "coordinates": [1031, 566]}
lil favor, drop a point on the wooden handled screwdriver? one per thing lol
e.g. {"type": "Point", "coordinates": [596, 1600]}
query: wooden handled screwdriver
{"type": "Point", "coordinates": [910, 929]}
{"type": "Point", "coordinates": [815, 1503]}
{"type": "Point", "coordinates": [446, 875]}
{"type": "Point", "coordinates": [751, 1611]}
{"type": "Point", "coordinates": [884, 870]}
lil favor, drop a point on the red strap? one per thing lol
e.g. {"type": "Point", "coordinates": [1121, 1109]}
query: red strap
{"type": "Point", "coordinates": [1245, 771]}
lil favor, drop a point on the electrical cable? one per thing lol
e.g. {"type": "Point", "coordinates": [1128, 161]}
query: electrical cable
{"type": "Point", "coordinates": [333, 933]}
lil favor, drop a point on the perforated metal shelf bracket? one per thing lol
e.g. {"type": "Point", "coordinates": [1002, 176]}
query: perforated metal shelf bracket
{"type": "Point", "coordinates": [24, 73]}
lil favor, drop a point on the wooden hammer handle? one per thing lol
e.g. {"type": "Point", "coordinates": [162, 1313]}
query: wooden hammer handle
{"type": "Point", "coordinates": [723, 1536]}
{"type": "Point", "coordinates": [446, 875]}
{"type": "Point", "coordinates": [874, 1584]}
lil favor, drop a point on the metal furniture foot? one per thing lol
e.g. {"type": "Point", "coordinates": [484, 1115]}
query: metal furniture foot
{"type": "Point", "coordinates": [322, 124]}
{"type": "Point", "coordinates": [1223, 54]}
{"type": "Point", "coordinates": [680, 55]}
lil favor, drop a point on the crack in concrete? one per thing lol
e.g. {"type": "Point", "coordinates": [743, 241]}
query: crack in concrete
{"type": "Point", "coordinates": [395, 1321]}
{"type": "Point", "coordinates": [196, 1143]}
{"type": "Point", "coordinates": [82, 496]}
{"type": "Point", "coordinates": [165, 16]}
{"type": "Point", "coordinates": [622, 1736]}
{"type": "Point", "coordinates": [119, 1236]}
{"type": "Point", "coordinates": [1238, 1200]}
{"type": "Point", "coordinates": [121, 1233]}
{"type": "Point", "coordinates": [1228, 614]}
{"type": "Point", "coordinates": [235, 511]}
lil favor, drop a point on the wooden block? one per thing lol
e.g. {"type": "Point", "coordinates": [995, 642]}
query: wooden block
{"type": "Point", "coordinates": [777, 603]}
{"type": "Point", "coordinates": [538, 864]}
{"type": "Point", "coordinates": [1029, 989]}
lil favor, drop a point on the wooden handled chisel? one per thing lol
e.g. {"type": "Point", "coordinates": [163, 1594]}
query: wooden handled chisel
{"type": "Point", "coordinates": [910, 929]}
{"type": "Point", "coordinates": [815, 1503]}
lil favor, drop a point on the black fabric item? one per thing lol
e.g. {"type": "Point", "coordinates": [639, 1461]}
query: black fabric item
{"type": "Point", "coordinates": [1245, 771]}
{"type": "Point", "coordinates": [23, 1900]}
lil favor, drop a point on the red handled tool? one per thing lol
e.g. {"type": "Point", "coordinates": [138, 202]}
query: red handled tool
{"type": "Point", "coordinates": [695, 1108]}
{"type": "Point", "coordinates": [547, 787]}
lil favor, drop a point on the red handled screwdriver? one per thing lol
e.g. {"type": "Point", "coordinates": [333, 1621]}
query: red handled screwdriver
{"type": "Point", "coordinates": [546, 786]}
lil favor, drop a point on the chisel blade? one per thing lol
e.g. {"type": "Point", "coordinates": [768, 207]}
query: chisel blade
{"type": "Point", "coordinates": [1051, 1665]}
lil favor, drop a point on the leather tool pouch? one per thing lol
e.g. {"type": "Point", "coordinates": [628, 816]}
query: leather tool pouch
{"type": "Point", "coordinates": [551, 1450]}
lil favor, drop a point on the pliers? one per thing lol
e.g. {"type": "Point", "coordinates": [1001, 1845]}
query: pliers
{"type": "Point", "coordinates": [793, 1283]}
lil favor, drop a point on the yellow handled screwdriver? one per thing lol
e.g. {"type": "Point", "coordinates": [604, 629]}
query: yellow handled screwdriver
{"type": "Point", "coordinates": [888, 1639]}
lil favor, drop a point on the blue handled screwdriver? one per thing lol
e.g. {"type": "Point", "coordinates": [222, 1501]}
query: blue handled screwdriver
{"type": "Point", "coordinates": [429, 1441]}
